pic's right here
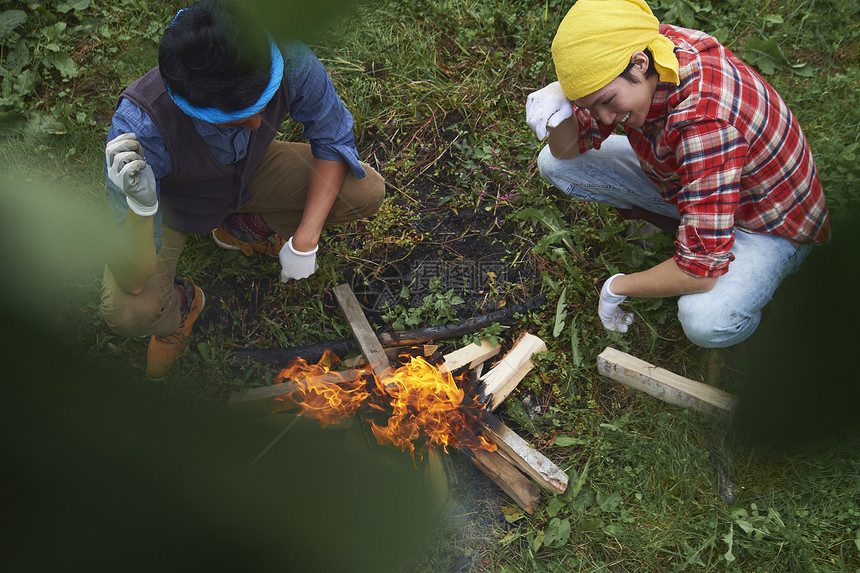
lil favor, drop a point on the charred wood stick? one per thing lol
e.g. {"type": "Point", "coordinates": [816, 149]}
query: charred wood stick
{"type": "Point", "coordinates": [284, 355]}
{"type": "Point", "coordinates": [421, 335]}
{"type": "Point", "coordinates": [313, 352]}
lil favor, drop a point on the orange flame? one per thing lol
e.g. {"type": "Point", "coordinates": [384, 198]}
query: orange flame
{"type": "Point", "coordinates": [425, 405]}
{"type": "Point", "coordinates": [322, 394]}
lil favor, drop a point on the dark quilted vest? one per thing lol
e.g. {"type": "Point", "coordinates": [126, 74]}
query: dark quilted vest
{"type": "Point", "coordinates": [200, 190]}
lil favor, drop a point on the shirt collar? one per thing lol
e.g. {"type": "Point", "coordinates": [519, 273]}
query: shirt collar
{"type": "Point", "coordinates": [659, 103]}
{"type": "Point", "coordinates": [204, 128]}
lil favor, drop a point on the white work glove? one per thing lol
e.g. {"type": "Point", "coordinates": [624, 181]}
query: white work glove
{"type": "Point", "coordinates": [547, 107]}
{"type": "Point", "coordinates": [127, 169]}
{"type": "Point", "coordinates": [610, 313]}
{"type": "Point", "coordinates": [297, 264]}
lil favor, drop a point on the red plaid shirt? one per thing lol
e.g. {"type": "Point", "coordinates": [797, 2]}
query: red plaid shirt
{"type": "Point", "coordinates": [724, 147]}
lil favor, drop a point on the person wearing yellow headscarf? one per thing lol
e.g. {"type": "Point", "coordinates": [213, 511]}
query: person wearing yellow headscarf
{"type": "Point", "coordinates": [710, 153]}
{"type": "Point", "coordinates": [586, 62]}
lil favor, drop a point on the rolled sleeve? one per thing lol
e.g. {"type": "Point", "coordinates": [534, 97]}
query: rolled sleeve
{"type": "Point", "coordinates": [711, 156]}
{"type": "Point", "coordinates": [314, 103]}
{"type": "Point", "coordinates": [591, 132]}
{"type": "Point", "coordinates": [694, 257]}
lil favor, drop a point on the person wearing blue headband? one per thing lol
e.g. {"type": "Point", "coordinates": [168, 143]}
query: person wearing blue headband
{"type": "Point", "coordinates": [191, 150]}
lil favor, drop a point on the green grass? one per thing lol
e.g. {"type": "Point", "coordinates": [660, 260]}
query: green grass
{"type": "Point", "coordinates": [438, 92]}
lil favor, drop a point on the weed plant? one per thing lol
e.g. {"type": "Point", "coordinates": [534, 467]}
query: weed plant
{"type": "Point", "coordinates": [438, 90]}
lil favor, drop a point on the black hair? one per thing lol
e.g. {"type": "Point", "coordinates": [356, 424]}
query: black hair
{"type": "Point", "coordinates": [650, 72]}
{"type": "Point", "coordinates": [214, 56]}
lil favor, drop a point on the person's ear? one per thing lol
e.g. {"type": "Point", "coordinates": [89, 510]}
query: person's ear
{"type": "Point", "coordinates": [640, 61]}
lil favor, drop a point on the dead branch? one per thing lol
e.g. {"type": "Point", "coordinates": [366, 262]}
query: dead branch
{"type": "Point", "coordinates": [312, 353]}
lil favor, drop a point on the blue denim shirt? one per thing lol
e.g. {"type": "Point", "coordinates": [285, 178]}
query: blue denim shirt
{"type": "Point", "coordinates": [327, 125]}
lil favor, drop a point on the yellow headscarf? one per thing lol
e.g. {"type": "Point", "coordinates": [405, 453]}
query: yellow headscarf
{"type": "Point", "coordinates": [595, 40]}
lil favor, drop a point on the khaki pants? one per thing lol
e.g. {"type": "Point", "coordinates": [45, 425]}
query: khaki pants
{"type": "Point", "coordinates": [279, 192]}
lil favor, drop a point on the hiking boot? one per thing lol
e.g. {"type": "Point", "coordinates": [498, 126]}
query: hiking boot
{"type": "Point", "coordinates": [270, 245]}
{"type": "Point", "coordinates": [164, 350]}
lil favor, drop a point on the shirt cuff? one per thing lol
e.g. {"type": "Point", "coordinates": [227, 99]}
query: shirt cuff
{"type": "Point", "coordinates": [586, 139]}
{"type": "Point", "coordinates": [694, 258]}
{"type": "Point", "coordinates": [344, 153]}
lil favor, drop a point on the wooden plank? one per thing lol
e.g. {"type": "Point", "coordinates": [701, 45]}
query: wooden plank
{"type": "Point", "coordinates": [666, 386]}
{"type": "Point", "coordinates": [367, 340]}
{"type": "Point", "coordinates": [473, 355]}
{"type": "Point", "coordinates": [509, 479]}
{"type": "Point", "coordinates": [528, 460]}
{"type": "Point", "coordinates": [501, 380]}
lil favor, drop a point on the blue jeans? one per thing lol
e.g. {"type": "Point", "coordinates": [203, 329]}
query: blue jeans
{"type": "Point", "coordinates": [731, 311]}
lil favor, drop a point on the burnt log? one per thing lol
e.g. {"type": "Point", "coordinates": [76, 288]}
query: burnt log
{"type": "Point", "coordinates": [312, 353]}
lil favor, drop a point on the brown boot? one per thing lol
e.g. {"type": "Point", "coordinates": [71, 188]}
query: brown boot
{"type": "Point", "coordinates": [164, 350]}
{"type": "Point", "coordinates": [271, 245]}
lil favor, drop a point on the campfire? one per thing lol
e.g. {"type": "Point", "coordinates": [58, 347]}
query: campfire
{"type": "Point", "coordinates": [421, 405]}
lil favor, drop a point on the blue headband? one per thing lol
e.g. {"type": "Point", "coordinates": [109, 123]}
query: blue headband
{"type": "Point", "coordinates": [216, 116]}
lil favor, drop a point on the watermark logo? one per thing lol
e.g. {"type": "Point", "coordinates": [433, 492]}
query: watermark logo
{"type": "Point", "coordinates": [388, 289]}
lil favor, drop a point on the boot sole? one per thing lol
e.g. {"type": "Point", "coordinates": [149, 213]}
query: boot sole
{"type": "Point", "coordinates": [224, 245]}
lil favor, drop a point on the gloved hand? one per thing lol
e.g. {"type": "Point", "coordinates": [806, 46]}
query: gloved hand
{"type": "Point", "coordinates": [610, 313]}
{"type": "Point", "coordinates": [297, 264]}
{"type": "Point", "coordinates": [127, 169]}
{"type": "Point", "coordinates": [547, 107]}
